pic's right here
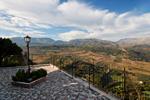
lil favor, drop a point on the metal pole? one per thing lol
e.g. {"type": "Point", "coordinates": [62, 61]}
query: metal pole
{"type": "Point", "coordinates": [32, 59]}
{"type": "Point", "coordinates": [72, 70]}
{"type": "Point", "coordinates": [53, 60]}
{"type": "Point", "coordinates": [89, 77]}
{"type": "Point", "coordinates": [28, 56]}
{"type": "Point", "coordinates": [73, 66]}
{"type": "Point", "coordinates": [125, 91]}
{"type": "Point", "coordinates": [93, 72]}
{"type": "Point", "coordinates": [140, 94]}
{"type": "Point", "coordinates": [59, 62]}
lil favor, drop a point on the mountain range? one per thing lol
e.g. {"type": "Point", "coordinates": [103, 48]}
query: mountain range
{"type": "Point", "coordinates": [128, 42]}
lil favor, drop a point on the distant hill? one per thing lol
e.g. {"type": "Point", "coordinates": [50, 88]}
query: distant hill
{"type": "Point", "coordinates": [139, 52]}
{"type": "Point", "coordinates": [98, 46]}
{"type": "Point", "coordinates": [34, 41]}
{"type": "Point", "coordinates": [128, 42]}
{"type": "Point", "coordinates": [93, 42]}
{"type": "Point", "coordinates": [77, 42]}
{"type": "Point", "coordinates": [134, 48]}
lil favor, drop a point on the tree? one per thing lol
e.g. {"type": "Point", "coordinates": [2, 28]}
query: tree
{"type": "Point", "coordinates": [8, 50]}
{"type": "Point", "coordinates": [106, 79]}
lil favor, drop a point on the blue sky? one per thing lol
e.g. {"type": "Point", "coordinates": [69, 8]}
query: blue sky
{"type": "Point", "coordinates": [121, 6]}
{"type": "Point", "coordinates": [75, 19]}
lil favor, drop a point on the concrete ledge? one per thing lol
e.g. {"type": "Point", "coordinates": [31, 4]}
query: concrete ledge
{"type": "Point", "coordinates": [28, 85]}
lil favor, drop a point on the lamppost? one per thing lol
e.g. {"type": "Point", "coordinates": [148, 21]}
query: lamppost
{"type": "Point", "coordinates": [27, 40]}
{"type": "Point", "coordinates": [125, 85]}
{"type": "Point", "coordinates": [93, 71]}
{"type": "Point", "coordinates": [89, 76]}
{"type": "Point", "coordinates": [138, 89]}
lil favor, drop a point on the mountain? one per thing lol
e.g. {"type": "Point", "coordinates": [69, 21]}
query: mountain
{"type": "Point", "coordinates": [128, 42]}
{"type": "Point", "coordinates": [139, 52]}
{"type": "Point", "coordinates": [60, 42]}
{"type": "Point", "coordinates": [77, 42]}
{"type": "Point", "coordinates": [136, 48]}
{"type": "Point", "coordinates": [34, 41]}
{"type": "Point", "coordinates": [92, 42]}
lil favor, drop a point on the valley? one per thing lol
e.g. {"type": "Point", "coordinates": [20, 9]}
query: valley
{"type": "Point", "coordinates": [130, 63]}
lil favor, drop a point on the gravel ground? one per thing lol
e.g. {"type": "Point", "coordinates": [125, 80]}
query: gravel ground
{"type": "Point", "coordinates": [58, 86]}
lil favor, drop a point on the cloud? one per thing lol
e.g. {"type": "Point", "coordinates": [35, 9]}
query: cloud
{"type": "Point", "coordinates": [103, 24]}
{"type": "Point", "coordinates": [19, 25]}
{"type": "Point", "coordinates": [35, 16]}
{"type": "Point", "coordinates": [72, 35]}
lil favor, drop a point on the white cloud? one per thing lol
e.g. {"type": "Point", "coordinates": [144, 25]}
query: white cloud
{"type": "Point", "coordinates": [72, 35]}
{"type": "Point", "coordinates": [32, 15]}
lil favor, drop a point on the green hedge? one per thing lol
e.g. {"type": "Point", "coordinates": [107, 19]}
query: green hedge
{"type": "Point", "coordinates": [25, 76]}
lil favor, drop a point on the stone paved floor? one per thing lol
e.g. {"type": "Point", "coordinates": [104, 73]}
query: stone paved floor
{"type": "Point", "coordinates": [57, 87]}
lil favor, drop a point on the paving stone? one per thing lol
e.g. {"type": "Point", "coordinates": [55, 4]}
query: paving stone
{"type": "Point", "coordinates": [57, 87]}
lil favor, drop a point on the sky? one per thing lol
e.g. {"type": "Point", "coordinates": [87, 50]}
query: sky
{"type": "Point", "coordinates": [75, 19]}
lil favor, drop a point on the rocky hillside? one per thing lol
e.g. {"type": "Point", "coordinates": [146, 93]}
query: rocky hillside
{"type": "Point", "coordinates": [76, 42]}
{"type": "Point", "coordinates": [128, 42]}
{"type": "Point", "coordinates": [93, 42]}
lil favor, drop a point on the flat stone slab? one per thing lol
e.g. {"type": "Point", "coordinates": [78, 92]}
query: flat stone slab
{"type": "Point", "coordinates": [58, 86]}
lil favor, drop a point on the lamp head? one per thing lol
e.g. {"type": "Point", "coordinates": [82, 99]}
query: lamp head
{"type": "Point", "coordinates": [140, 82]}
{"type": "Point", "coordinates": [27, 39]}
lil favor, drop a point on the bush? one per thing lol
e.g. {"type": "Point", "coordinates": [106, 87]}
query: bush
{"type": "Point", "coordinates": [21, 75]}
{"type": "Point", "coordinates": [24, 76]}
{"type": "Point", "coordinates": [38, 73]}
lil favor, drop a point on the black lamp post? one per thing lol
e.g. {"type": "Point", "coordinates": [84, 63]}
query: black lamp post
{"type": "Point", "coordinates": [27, 40]}
{"type": "Point", "coordinates": [89, 76]}
{"type": "Point", "coordinates": [139, 86]}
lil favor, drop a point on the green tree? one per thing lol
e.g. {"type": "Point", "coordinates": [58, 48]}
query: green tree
{"type": "Point", "coordinates": [106, 79]}
{"type": "Point", "coordinates": [8, 51]}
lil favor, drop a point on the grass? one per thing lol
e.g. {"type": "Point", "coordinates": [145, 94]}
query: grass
{"type": "Point", "coordinates": [137, 70]}
{"type": "Point", "coordinates": [136, 67]}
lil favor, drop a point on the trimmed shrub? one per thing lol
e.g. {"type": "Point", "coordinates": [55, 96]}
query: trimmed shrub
{"type": "Point", "coordinates": [24, 76]}
{"type": "Point", "coordinates": [38, 73]}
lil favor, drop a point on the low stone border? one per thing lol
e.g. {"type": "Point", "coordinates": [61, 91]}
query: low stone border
{"type": "Point", "coordinates": [28, 85]}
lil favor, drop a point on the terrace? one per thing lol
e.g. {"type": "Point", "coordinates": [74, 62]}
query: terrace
{"type": "Point", "coordinates": [70, 76]}
{"type": "Point", "coordinates": [58, 86]}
